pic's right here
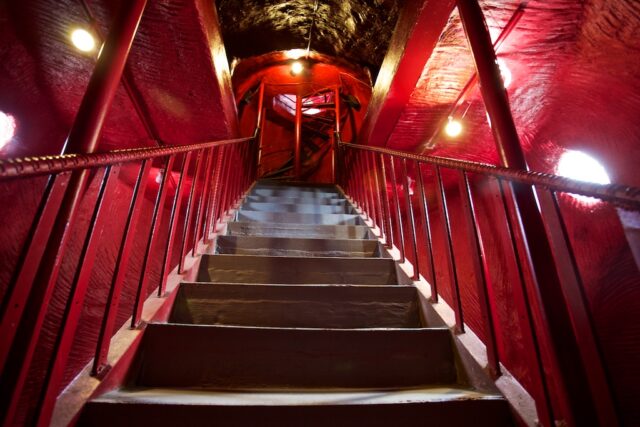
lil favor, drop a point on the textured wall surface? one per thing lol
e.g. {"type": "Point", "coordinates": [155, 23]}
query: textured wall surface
{"type": "Point", "coordinates": [576, 74]}
{"type": "Point", "coordinates": [355, 30]}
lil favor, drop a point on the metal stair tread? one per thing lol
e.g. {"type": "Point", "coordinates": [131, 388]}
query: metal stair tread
{"type": "Point", "coordinates": [245, 397]}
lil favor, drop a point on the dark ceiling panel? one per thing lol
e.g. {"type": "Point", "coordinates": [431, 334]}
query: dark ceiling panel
{"type": "Point", "coordinates": [355, 30]}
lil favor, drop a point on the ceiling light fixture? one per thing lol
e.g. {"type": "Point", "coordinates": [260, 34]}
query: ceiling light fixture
{"type": "Point", "coordinates": [582, 167]}
{"type": "Point", "coordinates": [297, 68]}
{"type": "Point", "coordinates": [8, 127]}
{"type": "Point", "coordinates": [83, 40]}
{"type": "Point", "coordinates": [453, 128]}
{"type": "Point", "coordinates": [505, 72]}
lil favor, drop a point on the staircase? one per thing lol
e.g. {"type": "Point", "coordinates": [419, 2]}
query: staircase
{"type": "Point", "coordinates": [299, 319]}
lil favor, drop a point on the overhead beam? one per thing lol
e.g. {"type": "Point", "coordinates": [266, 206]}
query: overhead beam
{"type": "Point", "coordinates": [416, 34]}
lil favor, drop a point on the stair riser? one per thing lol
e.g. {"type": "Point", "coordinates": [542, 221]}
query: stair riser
{"type": "Point", "coordinates": [340, 307]}
{"type": "Point", "coordinates": [295, 193]}
{"type": "Point", "coordinates": [296, 208]}
{"type": "Point", "coordinates": [459, 413]}
{"type": "Point", "coordinates": [294, 200]}
{"type": "Point", "coordinates": [299, 218]}
{"type": "Point", "coordinates": [228, 357]}
{"type": "Point", "coordinates": [292, 270]}
{"type": "Point", "coordinates": [292, 231]}
{"type": "Point", "coordinates": [273, 246]}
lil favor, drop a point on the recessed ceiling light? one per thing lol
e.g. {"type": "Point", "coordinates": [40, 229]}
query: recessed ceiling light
{"type": "Point", "coordinates": [297, 68]}
{"type": "Point", "coordinates": [453, 128]}
{"type": "Point", "coordinates": [8, 127]}
{"type": "Point", "coordinates": [507, 77]}
{"type": "Point", "coordinates": [83, 40]}
{"type": "Point", "coordinates": [582, 167]}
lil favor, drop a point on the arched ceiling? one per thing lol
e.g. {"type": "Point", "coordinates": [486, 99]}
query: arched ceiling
{"type": "Point", "coordinates": [357, 31]}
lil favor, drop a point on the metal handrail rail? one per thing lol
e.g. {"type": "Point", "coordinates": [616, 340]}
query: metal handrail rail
{"type": "Point", "coordinates": [44, 165]}
{"type": "Point", "coordinates": [626, 196]}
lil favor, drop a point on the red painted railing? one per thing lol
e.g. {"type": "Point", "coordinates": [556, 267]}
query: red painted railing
{"type": "Point", "coordinates": [207, 180]}
{"type": "Point", "coordinates": [370, 176]}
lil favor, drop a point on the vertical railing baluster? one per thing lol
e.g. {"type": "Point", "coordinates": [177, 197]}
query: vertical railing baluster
{"type": "Point", "coordinates": [212, 210]}
{"type": "Point", "coordinates": [173, 223]}
{"type": "Point", "coordinates": [372, 204]}
{"type": "Point", "coordinates": [412, 221]}
{"type": "Point", "coordinates": [202, 201]}
{"type": "Point", "coordinates": [362, 199]}
{"type": "Point", "coordinates": [387, 207]}
{"type": "Point", "coordinates": [188, 220]}
{"type": "Point", "coordinates": [453, 275]}
{"type": "Point", "coordinates": [122, 261]}
{"type": "Point", "coordinates": [156, 221]}
{"type": "Point", "coordinates": [379, 209]}
{"type": "Point", "coordinates": [573, 289]}
{"type": "Point", "coordinates": [397, 213]}
{"type": "Point", "coordinates": [426, 220]}
{"type": "Point", "coordinates": [17, 293]}
{"type": "Point", "coordinates": [75, 301]}
{"type": "Point", "coordinates": [543, 405]}
{"type": "Point", "coordinates": [478, 263]}
{"type": "Point", "coordinates": [224, 185]}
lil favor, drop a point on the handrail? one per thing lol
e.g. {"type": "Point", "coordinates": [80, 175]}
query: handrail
{"type": "Point", "coordinates": [626, 196]}
{"type": "Point", "coordinates": [211, 177]}
{"type": "Point", "coordinates": [44, 165]}
{"type": "Point", "coordinates": [368, 177]}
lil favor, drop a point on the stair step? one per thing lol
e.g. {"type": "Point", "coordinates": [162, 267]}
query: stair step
{"type": "Point", "coordinates": [336, 307]}
{"type": "Point", "coordinates": [292, 230]}
{"type": "Point", "coordinates": [280, 246]}
{"type": "Point", "coordinates": [216, 357]}
{"type": "Point", "coordinates": [296, 185]}
{"type": "Point", "coordinates": [437, 406]}
{"type": "Point", "coordinates": [299, 218]}
{"type": "Point", "coordinates": [298, 270]}
{"type": "Point", "coordinates": [295, 200]}
{"type": "Point", "coordinates": [294, 192]}
{"type": "Point", "coordinates": [306, 208]}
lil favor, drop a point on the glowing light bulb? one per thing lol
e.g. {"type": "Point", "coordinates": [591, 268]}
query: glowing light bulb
{"type": "Point", "coordinates": [453, 128]}
{"type": "Point", "coordinates": [582, 167]}
{"type": "Point", "coordinates": [505, 72]}
{"type": "Point", "coordinates": [7, 128]}
{"type": "Point", "coordinates": [297, 68]}
{"type": "Point", "coordinates": [83, 40]}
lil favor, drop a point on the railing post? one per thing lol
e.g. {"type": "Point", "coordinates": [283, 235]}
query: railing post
{"type": "Point", "coordinates": [398, 213]}
{"type": "Point", "coordinates": [478, 263]}
{"type": "Point", "coordinates": [338, 131]}
{"type": "Point", "coordinates": [102, 214]}
{"type": "Point", "coordinates": [156, 221]}
{"type": "Point", "coordinates": [376, 191]}
{"type": "Point", "coordinates": [411, 220]}
{"type": "Point", "coordinates": [424, 209]}
{"type": "Point", "coordinates": [173, 224]}
{"type": "Point", "coordinates": [298, 142]}
{"type": "Point", "coordinates": [387, 207]}
{"type": "Point", "coordinates": [450, 256]}
{"type": "Point", "coordinates": [83, 138]}
{"type": "Point", "coordinates": [575, 403]}
{"type": "Point", "coordinates": [122, 261]}
{"type": "Point", "coordinates": [205, 196]}
{"type": "Point", "coordinates": [188, 220]}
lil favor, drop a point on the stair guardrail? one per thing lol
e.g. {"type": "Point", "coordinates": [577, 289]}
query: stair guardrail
{"type": "Point", "coordinates": [193, 184]}
{"type": "Point", "coordinates": [369, 176]}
